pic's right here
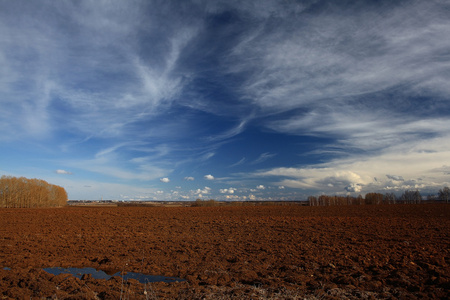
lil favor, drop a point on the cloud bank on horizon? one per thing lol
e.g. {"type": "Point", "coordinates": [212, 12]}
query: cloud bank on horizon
{"type": "Point", "coordinates": [271, 99]}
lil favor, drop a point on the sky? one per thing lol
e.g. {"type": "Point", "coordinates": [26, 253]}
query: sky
{"type": "Point", "coordinates": [226, 100]}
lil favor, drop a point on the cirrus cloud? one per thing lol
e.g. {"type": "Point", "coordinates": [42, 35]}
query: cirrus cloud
{"type": "Point", "coordinates": [64, 172]}
{"type": "Point", "coordinates": [329, 94]}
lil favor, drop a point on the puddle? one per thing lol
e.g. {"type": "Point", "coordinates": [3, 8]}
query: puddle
{"type": "Point", "coordinates": [98, 274]}
{"type": "Point", "coordinates": [7, 269]}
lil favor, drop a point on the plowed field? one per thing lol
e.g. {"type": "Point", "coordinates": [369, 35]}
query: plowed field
{"type": "Point", "coordinates": [257, 252]}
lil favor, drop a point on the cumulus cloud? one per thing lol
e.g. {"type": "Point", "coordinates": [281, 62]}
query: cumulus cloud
{"type": "Point", "coordinates": [165, 180]}
{"type": "Point", "coordinates": [234, 197]}
{"type": "Point", "coordinates": [359, 172]}
{"type": "Point", "coordinates": [395, 177]}
{"type": "Point", "coordinates": [354, 188]}
{"type": "Point", "coordinates": [261, 187]}
{"type": "Point", "coordinates": [189, 178]}
{"type": "Point", "coordinates": [64, 172]}
{"type": "Point", "coordinates": [228, 191]}
{"type": "Point", "coordinates": [209, 177]}
{"type": "Point", "coordinates": [205, 191]}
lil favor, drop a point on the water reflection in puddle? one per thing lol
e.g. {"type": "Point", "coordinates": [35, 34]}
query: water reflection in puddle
{"type": "Point", "coordinates": [98, 274]}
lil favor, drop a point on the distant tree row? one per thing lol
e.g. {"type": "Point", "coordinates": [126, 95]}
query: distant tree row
{"type": "Point", "coordinates": [377, 198]}
{"type": "Point", "coordinates": [443, 195]}
{"type": "Point", "coordinates": [24, 192]}
{"type": "Point", "coordinates": [210, 202]}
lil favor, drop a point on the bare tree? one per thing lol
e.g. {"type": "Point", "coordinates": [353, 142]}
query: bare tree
{"type": "Point", "coordinates": [444, 194]}
{"type": "Point", "coordinates": [374, 198]}
{"type": "Point", "coordinates": [411, 197]}
{"type": "Point", "coordinates": [389, 198]}
{"type": "Point", "coordinates": [312, 201]}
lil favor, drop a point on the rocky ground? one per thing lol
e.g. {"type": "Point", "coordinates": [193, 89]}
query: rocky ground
{"type": "Point", "coordinates": [255, 252]}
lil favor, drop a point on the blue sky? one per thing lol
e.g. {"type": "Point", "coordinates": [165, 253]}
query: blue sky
{"type": "Point", "coordinates": [231, 100]}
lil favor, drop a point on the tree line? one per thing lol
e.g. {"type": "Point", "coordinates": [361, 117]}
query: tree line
{"type": "Point", "coordinates": [411, 197]}
{"type": "Point", "coordinates": [24, 192]}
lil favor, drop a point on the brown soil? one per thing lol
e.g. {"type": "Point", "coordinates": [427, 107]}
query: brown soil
{"type": "Point", "coordinates": [260, 252]}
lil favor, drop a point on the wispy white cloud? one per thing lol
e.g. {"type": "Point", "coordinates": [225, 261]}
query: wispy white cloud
{"type": "Point", "coordinates": [114, 82]}
{"type": "Point", "coordinates": [207, 156]}
{"type": "Point", "coordinates": [354, 76]}
{"type": "Point", "coordinates": [189, 178]}
{"type": "Point", "coordinates": [240, 162]}
{"type": "Point", "coordinates": [345, 51]}
{"type": "Point", "coordinates": [126, 91]}
{"type": "Point", "coordinates": [112, 164]}
{"type": "Point", "coordinates": [110, 150]}
{"type": "Point", "coordinates": [263, 157]}
{"type": "Point", "coordinates": [230, 133]}
{"type": "Point", "coordinates": [63, 172]}
{"type": "Point", "coordinates": [337, 73]}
